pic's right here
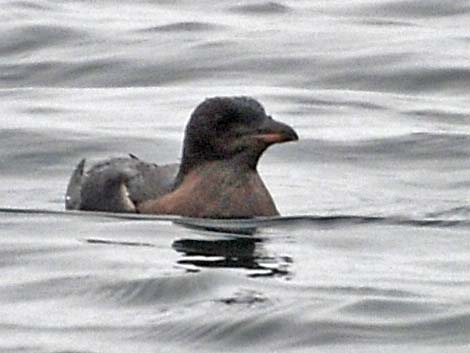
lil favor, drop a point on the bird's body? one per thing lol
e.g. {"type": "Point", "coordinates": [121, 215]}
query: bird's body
{"type": "Point", "coordinates": [118, 184]}
{"type": "Point", "coordinates": [216, 190]}
{"type": "Point", "coordinates": [217, 177]}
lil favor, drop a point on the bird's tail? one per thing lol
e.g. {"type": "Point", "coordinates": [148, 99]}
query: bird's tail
{"type": "Point", "coordinates": [73, 197]}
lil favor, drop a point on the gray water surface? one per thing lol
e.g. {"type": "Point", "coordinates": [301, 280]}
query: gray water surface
{"type": "Point", "coordinates": [372, 253]}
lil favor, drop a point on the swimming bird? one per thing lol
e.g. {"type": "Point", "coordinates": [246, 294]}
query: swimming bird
{"type": "Point", "coordinates": [217, 177]}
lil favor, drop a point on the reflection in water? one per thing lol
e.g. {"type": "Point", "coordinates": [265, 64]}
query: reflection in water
{"type": "Point", "coordinates": [220, 225]}
{"type": "Point", "coordinates": [246, 253]}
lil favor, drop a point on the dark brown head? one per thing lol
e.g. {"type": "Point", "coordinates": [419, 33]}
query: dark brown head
{"type": "Point", "coordinates": [230, 128]}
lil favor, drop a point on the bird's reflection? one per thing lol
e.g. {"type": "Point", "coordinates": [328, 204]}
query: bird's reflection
{"type": "Point", "coordinates": [233, 252]}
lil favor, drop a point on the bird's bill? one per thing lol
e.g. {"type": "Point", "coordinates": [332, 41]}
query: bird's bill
{"type": "Point", "coordinates": [276, 132]}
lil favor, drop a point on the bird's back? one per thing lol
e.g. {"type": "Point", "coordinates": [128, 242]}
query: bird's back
{"type": "Point", "coordinates": [118, 184]}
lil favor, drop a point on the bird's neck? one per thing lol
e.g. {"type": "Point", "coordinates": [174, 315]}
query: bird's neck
{"type": "Point", "coordinates": [220, 189]}
{"type": "Point", "coordinates": [239, 164]}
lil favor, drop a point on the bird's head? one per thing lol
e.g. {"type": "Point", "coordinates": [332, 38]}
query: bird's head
{"type": "Point", "coordinates": [231, 128]}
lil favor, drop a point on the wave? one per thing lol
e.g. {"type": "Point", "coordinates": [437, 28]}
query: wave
{"type": "Point", "coordinates": [406, 76]}
{"type": "Point", "coordinates": [418, 9]}
{"type": "Point", "coordinates": [246, 226]}
{"type": "Point", "coordinates": [263, 8]}
{"type": "Point", "coordinates": [32, 37]}
{"type": "Point", "coordinates": [306, 326]}
{"type": "Point", "coordinates": [191, 26]}
{"type": "Point", "coordinates": [412, 147]}
{"type": "Point", "coordinates": [30, 150]}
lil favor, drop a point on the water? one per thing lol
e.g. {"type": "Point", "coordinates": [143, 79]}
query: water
{"type": "Point", "coordinates": [372, 252]}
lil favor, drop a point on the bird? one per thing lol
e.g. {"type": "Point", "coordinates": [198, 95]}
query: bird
{"type": "Point", "coordinates": [216, 178]}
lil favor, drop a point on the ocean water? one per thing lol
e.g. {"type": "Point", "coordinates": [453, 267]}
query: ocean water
{"type": "Point", "coordinates": [372, 251]}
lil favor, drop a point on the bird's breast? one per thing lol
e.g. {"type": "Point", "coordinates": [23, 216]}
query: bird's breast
{"type": "Point", "coordinates": [216, 192]}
